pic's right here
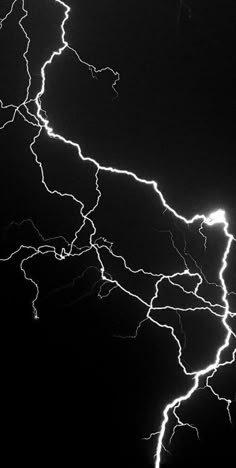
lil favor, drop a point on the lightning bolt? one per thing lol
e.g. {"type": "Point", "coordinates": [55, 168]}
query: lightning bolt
{"type": "Point", "coordinates": [221, 310]}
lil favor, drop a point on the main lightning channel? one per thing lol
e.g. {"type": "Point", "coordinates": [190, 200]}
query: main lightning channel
{"type": "Point", "coordinates": [217, 217]}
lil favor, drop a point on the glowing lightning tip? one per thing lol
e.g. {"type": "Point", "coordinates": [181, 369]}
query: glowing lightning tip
{"type": "Point", "coordinates": [216, 217]}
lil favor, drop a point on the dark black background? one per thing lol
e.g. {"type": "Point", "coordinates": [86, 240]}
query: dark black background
{"type": "Point", "coordinates": [73, 392]}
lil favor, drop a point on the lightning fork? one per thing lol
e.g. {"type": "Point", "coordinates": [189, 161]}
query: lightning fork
{"type": "Point", "coordinates": [41, 121]}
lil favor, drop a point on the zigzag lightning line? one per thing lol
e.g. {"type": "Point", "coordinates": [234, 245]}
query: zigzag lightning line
{"type": "Point", "coordinates": [220, 310]}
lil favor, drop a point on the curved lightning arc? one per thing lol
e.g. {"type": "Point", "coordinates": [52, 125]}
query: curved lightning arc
{"type": "Point", "coordinates": [40, 121]}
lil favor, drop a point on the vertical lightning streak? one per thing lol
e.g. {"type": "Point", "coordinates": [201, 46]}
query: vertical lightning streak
{"type": "Point", "coordinates": [218, 217]}
{"type": "Point", "coordinates": [212, 367]}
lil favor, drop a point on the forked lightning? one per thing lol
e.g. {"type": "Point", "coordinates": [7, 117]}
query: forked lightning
{"type": "Point", "coordinates": [39, 120]}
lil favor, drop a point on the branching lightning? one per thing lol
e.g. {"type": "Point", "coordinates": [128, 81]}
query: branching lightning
{"type": "Point", "coordinates": [100, 245]}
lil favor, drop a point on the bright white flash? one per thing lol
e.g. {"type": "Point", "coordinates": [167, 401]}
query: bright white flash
{"type": "Point", "coordinates": [39, 120]}
{"type": "Point", "coordinates": [217, 217]}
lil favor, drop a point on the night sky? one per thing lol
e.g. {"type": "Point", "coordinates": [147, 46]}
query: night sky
{"type": "Point", "coordinates": [75, 391]}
